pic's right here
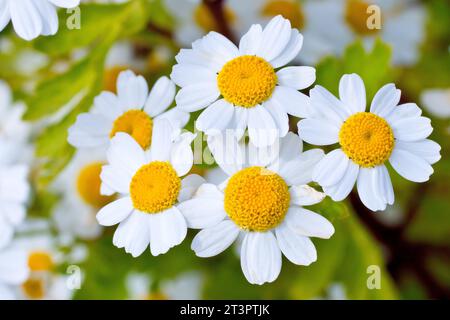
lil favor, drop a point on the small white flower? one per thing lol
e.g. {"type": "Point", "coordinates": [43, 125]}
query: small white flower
{"type": "Point", "coordinates": [388, 132]}
{"type": "Point", "coordinates": [261, 202]}
{"type": "Point", "coordinates": [80, 187]}
{"type": "Point", "coordinates": [14, 271]}
{"type": "Point", "coordinates": [437, 102]}
{"type": "Point", "coordinates": [242, 87]}
{"type": "Point", "coordinates": [133, 111]}
{"type": "Point", "coordinates": [186, 286]}
{"type": "Point", "coordinates": [30, 18]}
{"type": "Point", "coordinates": [150, 188]}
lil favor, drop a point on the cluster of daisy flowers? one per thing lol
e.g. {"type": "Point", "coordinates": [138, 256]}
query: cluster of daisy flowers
{"type": "Point", "coordinates": [141, 179]}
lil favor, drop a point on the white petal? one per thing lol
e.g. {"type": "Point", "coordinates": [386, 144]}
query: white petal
{"type": "Point", "coordinates": [6, 232]}
{"type": "Point", "coordinates": [406, 110]}
{"type": "Point", "coordinates": [261, 127]}
{"type": "Point", "coordinates": [323, 102]}
{"type": "Point", "coordinates": [202, 212]}
{"type": "Point", "coordinates": [275, 38]}
{"type": "Point", "coordinates": [251, 41]}
{"type": "Point", "coordinates": [341, 190]}
{"type": "Point", "coordinates": [65, 3]}
{"type": "Point", "coordinates": [279, 116]}
{"type": "Point", "coordinates": [239, 121]}
{"type": "Point", "coordinates": [295, 103]}
{"type": "Point", "coordinates": [260, 257]}
{"type": "Point", "coordinates": [49, 18]}
{"type": "Point", "coordinates": [331, 168]}
{"type": "Point", "coordinates": [213, 240]}
{"type": "Point", "coordinates": [216, 117]}
{"type": "Point", "coordinates": [115, 212]}
{"type": "Point", "coordinates": [196, 96]}
{"type": "Point", "coordinates": [299, 171]}
{"type": "Point", "coordinates": [125, 153]}
{"type": "Point", "coordinates": [291, 147]}
{"type": "Point", "coordinates": [14, 212]}
{"type": "Point", "coordinates": [297, 77]}
{"type": "Point", "coordinates": [304, 195]}
{"type": "Point", "coordinates": [161, 140]}
{"type": "Point", "coordinates": [318, 131]}
{"type": "Point", "coordinates": [297, 248]}
{"type": "Point", "coordinates": [307, 223]}
{"type": "Point", "coordinates": [228, 152]}
{"type": "Point", "coordinates": [115, 180]}
{"type": "Point", "coordinates": [352, 92]}
{"type": "Point", "coordinates": [13, 266]}
{"type": "Point", "coordinates": [5, 15]}
{"type": "Point", "coordinates": [107, 104]}
{"type": "Point", "coordinates": [176, 117]}
{"type": "Point", "coordinates": [161, 97]}
{"type": "Point", "coordinates": [167, 229]}
{"type": "Point", "coordinates": [90, 130]}
{"type": "Point", "coordinates": [216, 44]}
{"type": "Point", "coordinates": [133, 234]}
{"type": "Point", "coordinates": [189, 186]}
{"type": "Point", "coordinates": [384, 189]}
{"type": "Point", "coordinates": [291, 50]}
{"type": "Point", "coordinates": [425, 149]}
{"type": "Point", "coordinates": [132, 91]}
{"type": "Point", "coordinates": [366, 184]}
{"type": "Point", "coordinates": [26, 19]}
{"type": "Point", "coordinates": [385, 100]}
{"type": "Point", "coordinates": [188, 74]}
{"type": "Point", "coordinates": [181, 156]}
{"type": "Point", "coordinates": [412, 129]}
{"type": "Point", "coordinates": [410, 166]}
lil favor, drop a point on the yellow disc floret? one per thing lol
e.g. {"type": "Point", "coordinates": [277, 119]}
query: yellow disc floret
{"type": "Point", "coordinates": [34, 288]}
{"type": "Point", "coordinates": [366, 139]}
{"type": "Point", "coordinates": [289, 9]}
{"type": "Point", "coordinates": [256, 199]}
{"type": "Point", "coordinates": [88, 186]}
{"type": "Point", "coordinates": [357, 17]}
{"type": "Point", "coordinates": [247, 81]}
{"type": "Point", "coordinates": [137, 124]}
{"type": "Point", "coordinates": [155, 187]}
{"type": "Point", "coordinates": [40, 261]}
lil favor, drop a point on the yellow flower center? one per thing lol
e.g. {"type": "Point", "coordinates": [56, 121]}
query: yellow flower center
{"type": "Point", "coordinates": [110, 77]}
{"type": "Point", "coordinates": [206, 21]}
{"type": "Point", "coordinates": [155, 187]}
{"type": "Point", "coordinates": [34, 288]}
{"type": "Point", "coordinates": [247, 81]}
{"type": "Point", "coordinates": [88, 186]}
{"type": "Point", "coordinates": [137, 124]}
{"type": "Point", "coordinates": [366, 139]}
{"type": "Point", "coordinates": [289, 9]}
{"type": "Point", "coordinates": [256, 199]}
{"type": "Point", "coordinates": [40, 261]}
{"type": "Point", "coordinates": [357, 17]}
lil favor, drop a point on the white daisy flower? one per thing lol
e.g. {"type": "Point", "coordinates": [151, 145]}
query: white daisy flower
{"type": "Point", "coordinates": [402, 26]}
{"type": "Point", "coordinates": [41, 281]}
{"type": "Point", "coordinates": [388, 132]}
{"type": "Point", "coordinates": [242, 88]}
{"type": "Point", "coordinates": [14, 271]}
{"type": "Point", "coordinates": [186, 286]}
{"type": "Point", "coordinates": [261, 202]}
{"type": "Point", "coordinates": [437, 102]}
{"type": "Point", "coordinates": [31, 18]}
{"type": "Point", "coordinates": [80, 186]}
{"type": "Point", "coordinates": [150, 190]}
{"type": "Point", "coordinates": [133, 111]}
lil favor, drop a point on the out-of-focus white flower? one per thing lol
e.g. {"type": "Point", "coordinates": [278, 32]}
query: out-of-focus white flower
{"type": "Point", "coordinates": [186, 286]}
{"type": "Point", "coordinates": [14, 271]}
{"type": "Point", "coordinates": [31, 18]}
{"type": "Point", "coordinates": [437, 102]}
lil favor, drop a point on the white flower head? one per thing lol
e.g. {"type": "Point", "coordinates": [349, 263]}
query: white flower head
{"type": "Point", "coordinates": [244, 87]}
{"type": "Point", "coordinates": [15, 271]}
{"type": "Point", "coordinates": [31, 18]}
{"type": "Point", "coordinates": [437, 102]}
{"type": "Point", "coordinates": [80, 185]}
{"type": "Point", "coordinates": [262, 203]}
{"type": "Point", "coordinates": [150, 190]}
{"type": "Point", "coordinates": [133, 110]}
{"type": "Point", "coordinates": [368, 139]}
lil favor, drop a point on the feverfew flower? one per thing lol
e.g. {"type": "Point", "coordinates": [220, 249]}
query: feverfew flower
{"type": "Point", "coordinates": [133, 110]}
{"type": "Point", "coordinates": [32, 18]}
{"type": "Point", "coordinates": [150, 190]}
{"type": "Point", "coordinates": [262, 203]}
{"type": "Point", "coordinates": [242, 87]}
{"type": "Point", "coordinates": [368, 139]}
{"type": "Point", "coordinates": [14, 271]}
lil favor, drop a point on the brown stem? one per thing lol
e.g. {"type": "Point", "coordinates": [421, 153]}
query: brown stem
{"type": "Point", "coordinates": [161, 31]}
{"type": "Point", "coordinates": [216, 7]}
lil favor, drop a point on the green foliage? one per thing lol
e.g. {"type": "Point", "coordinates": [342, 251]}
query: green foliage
{"type": "Point", "coordinates": [373, 67]}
